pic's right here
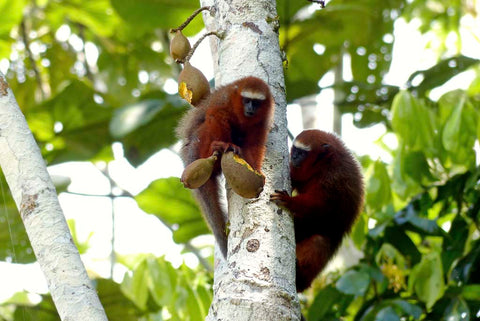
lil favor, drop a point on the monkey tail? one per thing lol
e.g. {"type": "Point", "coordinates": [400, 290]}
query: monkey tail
{"type": "Point", "coordinates": [208, 198]}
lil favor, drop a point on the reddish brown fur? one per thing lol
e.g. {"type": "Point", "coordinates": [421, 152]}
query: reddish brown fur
{"type": "Point", "coordinates": [218, 124]}
{"type": "Point", "coordinates": [330, 191]}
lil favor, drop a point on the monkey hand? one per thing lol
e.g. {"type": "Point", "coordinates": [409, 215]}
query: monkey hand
{"type": "Point", "coordinates": [222, 147]}
{"type": "Point", "coordinates": [280, 198]}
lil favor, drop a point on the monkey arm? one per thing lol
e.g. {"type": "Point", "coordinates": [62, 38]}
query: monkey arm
{"type": "Point", "coordinates": [214, 134]}
{"type": "Point", "coordinates": [301, 205]}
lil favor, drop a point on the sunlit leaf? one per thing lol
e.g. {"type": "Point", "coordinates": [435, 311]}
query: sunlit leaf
{"type": "Point", "coordinates": [135, 288]}
{"type": "Point", "coordinates": [426, 279]}
{"type": "Point", "coordinates": [172, 203]}
{"type": "Point", "coordinates": [151, 13]}
{"type": "Point", "coordinates": [413, 122]}
{"type": "Point", "coordinates": [440, 73]}
{"type": "Point", "coordinates": [459, 131]}
{"type": "Point", "coordinates": [378, 186]}
{"type": "Point", "coordinates": [162, 280]}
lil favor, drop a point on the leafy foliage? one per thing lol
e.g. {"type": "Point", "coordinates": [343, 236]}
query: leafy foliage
{"type": "Point", "coordinates": [174, 205]}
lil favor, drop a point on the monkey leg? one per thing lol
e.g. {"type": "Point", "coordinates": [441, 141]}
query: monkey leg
{"type": "Point", "coordinates": [313, 253]}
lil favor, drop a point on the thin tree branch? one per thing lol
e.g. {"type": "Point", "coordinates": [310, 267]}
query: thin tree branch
{"type": "Point", "coordinates": [26, 43]}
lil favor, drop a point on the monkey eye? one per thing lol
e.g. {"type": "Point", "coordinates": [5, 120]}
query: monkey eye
{"type": "Point", "coordinates": [255, 103]}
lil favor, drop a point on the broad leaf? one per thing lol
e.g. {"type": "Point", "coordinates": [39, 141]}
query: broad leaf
{"type": "Point", "coordinates": [426, 279]}
{"type": "Point", "coordinates": [173, 204]}
{"type": "Point", "coordinates": [353, 282]}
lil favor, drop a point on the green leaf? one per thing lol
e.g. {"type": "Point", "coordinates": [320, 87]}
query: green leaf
{"type": "Point", "coordinates": [403, 184]}
{"type": "Point", "coordinates": [410, 218]}
{"type": "Point", "coordinates": [131, 117]}
{"type": "Point", "coordinates": [471, 292]}
{"type": "Point", "coordinates": [396, 236]}
{"type": "Point", "coordinates": [415, 165]}
{"type": "Point", "coordinates": [378, 186]}
{"type": "Point", "coordinates": [409, 112]}
{"type": "Point", "coordinates": [173, 204]}
{"type": "Point", "coordinates": [84, 125]}
{"type": "Point", "coordinates": [368, 102]}
{"type": "Point", "coordinates": [162, 280]}
{"type": "Point", "coordinates": [117, 306]}
{"type": "Point", "coordinates": [459, 131]}
{"type": "Point", "coordinates": [135, 287]}
{"type": "Point", "coordinates": [96, 15]}
{"type": "Point", "coordinates": [12, 13]}
{"type": "Point", "coordinates": [388, 253]}
{"type": "Point", "coordinates": [468, 267]}
{"type": "Point", "coordinates": [426, 279]}
{"type": "Point", "coordinates": [454, 245]}
{"type": "Point", "coordinates": [387, 314]}
{"type": "Point", "coordinates": [410, 309]}
{"type": "Point", "coordinates": [440, 73]}
{"type": "Point", "coordinates": [164, 14]}
{"type": "Point", "coordinates": [354, 282]}
{"type": "Point", "coordinates": [359, 231]}
{"type": "Point", "coordinates": [82, 245]}
{"type": "Point", "coordinates": [327, 300]}
{"type": "Point", "coordinates": [147, 126]}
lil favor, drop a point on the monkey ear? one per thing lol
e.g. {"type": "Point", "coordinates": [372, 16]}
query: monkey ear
{"type": "Point", "coordinates": [324, 151]}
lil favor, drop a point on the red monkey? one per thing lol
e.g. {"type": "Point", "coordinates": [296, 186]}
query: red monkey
{"type": "Point", "coordinates": [234, 117]}
{"type": "Point", "coordinates": [329, 197]}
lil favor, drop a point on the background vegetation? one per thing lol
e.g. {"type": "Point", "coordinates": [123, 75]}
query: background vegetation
{"type": "Point", "coordinates": [92, 73]}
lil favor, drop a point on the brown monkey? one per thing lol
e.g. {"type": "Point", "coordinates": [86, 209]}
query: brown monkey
{"type": "Point", "coordinates": [234, 117]}
{"type": "Point", "coordinates": [329, 196]}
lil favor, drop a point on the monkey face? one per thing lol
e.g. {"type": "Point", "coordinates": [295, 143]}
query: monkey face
{"type": "Point", "coordinates": [297, 156]}
{"type": "Point", "coordinates": [252, 100]}
{"type": "Point", "coordinates": [312, 152]}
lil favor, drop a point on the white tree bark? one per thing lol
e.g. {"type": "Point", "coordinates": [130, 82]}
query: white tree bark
{"type": "Point", "coordinates": [257, 282]}
{"type": "Point", "coordinates": [37, 202]}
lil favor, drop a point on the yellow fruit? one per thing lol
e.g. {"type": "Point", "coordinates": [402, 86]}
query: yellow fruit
{"type": "Point", "coordinates": [192, 84]}
{"type": "Point", "coordinates": [179, 46]}
{"type": "Point", "coordinates": [241, 177]}
{"type": "Point", "coordinates": [198, 172]}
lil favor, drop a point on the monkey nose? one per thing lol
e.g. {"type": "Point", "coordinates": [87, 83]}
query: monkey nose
{"type": "Point", "coordinates": [249, 109]}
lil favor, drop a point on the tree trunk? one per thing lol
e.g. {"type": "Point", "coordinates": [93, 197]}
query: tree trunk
{"type": "Point", "coordinates": [257, 282]}
{"type": "Point", "coordinates": [37, 202]}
